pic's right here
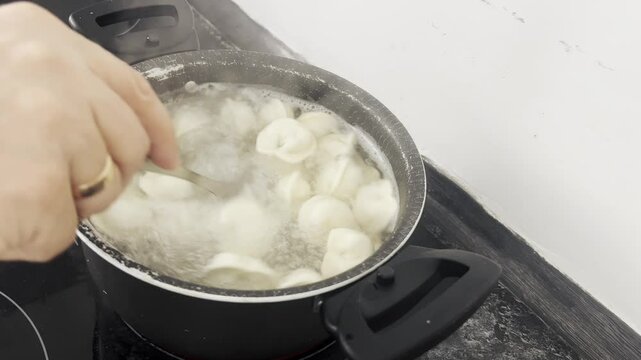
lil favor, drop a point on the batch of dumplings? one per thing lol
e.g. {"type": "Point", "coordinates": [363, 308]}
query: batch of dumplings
{"type": "Point", "coordinates": [311, 201]}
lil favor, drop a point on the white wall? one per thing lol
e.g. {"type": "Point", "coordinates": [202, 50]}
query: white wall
{"type": "Point", "coordinates": [534, 105]}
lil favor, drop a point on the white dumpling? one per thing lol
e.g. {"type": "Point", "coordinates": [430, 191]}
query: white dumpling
{"type": "Point", "coordinates": [235, 271]}
{"type": "Point", "coordinates": [245, 227]}
{"type": "Point", "coordinates": [375, 206]}
{"type": "Point", "coordinates": [319, 123]}
{"type": "Point", "coordinates": [340, 178]}
{"type": "Point", "coordinates": [274, 166]}
{"type": "Point", "coordinates": [335, 145]}
{"type": "Point", "coordinates": [322, 213]}
{"type": "Point", "coordinates": [187, 118]}
{"type": "Point", "coordinates": [273, 109]}
{"type": "Point", "coordinates": [165, 187]}
{"type": "Point", "coordinates": [293, 188]}
{"type": "Point", "coordinates": [346, 248]}
{"type": "Point", "coordinates": [239, 115]}
{"type": "Point", "coordinates": [299, 277]}
{"type": "Point", "coordinates": [287, 140]}
{"type": "Point", "coordinates": [126, 214]}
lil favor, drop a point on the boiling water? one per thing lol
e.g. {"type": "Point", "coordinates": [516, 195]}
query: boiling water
{"type": "Point", "coordinates": [217, 127]}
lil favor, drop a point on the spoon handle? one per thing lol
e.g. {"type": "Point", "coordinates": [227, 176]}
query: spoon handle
{"type": "Point", "coordinates": [180, 172]}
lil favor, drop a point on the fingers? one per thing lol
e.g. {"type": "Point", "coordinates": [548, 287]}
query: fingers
{"type": "Point", "coordinates": [134, 89]}
{"type": "Point", "coordinates": [88, 161]}
{"type": "Point", "coordinates": [123, 134]}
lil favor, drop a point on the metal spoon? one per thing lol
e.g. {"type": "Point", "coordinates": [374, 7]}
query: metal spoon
{"type": "Point", "coordinates": [216, 188]}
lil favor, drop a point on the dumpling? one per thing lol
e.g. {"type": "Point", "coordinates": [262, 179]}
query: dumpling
{"type": "Point", "coordinates": [333, 146]}
{"type": "Point", "coordinates": [322, 213]}
{"type": "Point", "coordinates": [287, 140]}
{"type": "Point", "coordinates": [340, 178]}
{"type": "Point", "coordinates": [273, 109]}
{"type": "Point", "coordinates": [375, 206]}
{"type": "Point", "coordinates": [299, 277]}
{"type": "Point", "coordinates": [187, 118]}
{"type": "Point", "coordinates": [239, 115]}
{"type": "Point", "coordinates": [346, 248]}
{"type": "Point", "coordinates": [234, 271]}
{"type": "Point", "coordinates": [245, 227]}
{"type": "Point", "coordinates": [319, 123]}
{"type": "Point", "coordinates": [165, 187]}
{"type": "Point", "coordinates": [293, 188]}
{"type": "Point", "coordinates": [127, 214]}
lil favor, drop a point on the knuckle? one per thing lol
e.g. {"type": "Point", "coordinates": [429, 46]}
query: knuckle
{"type": "Point", "coordinates": [41, 105]}
{"type": "Point", "coordinates": [142, 88]}
{"type": "Point", "coordinates": [49, 106]}
{"type": "Point", "coordinates": [37, 54]}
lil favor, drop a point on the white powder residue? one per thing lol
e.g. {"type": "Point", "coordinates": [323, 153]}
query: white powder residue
{"type": "Point", "coordinates": [163, 73]}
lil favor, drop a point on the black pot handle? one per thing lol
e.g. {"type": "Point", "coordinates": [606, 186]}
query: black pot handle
{"type": "Point", "coordinates": [136, 30]}
{"type": "Point", "coordinates": [410, 304]}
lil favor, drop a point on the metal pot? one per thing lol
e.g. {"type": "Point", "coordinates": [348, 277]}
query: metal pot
{"type": "Point", "coordinates": [381, 309]}
{"type": "Point", "coordinates": [397, 304]}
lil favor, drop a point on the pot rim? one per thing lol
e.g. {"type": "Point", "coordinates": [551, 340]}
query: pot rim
{"type": "Point", "coordinates": [92, 238]}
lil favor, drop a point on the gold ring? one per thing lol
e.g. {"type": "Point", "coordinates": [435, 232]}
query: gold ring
{"type": "Point", "coordinates": [98, 184]}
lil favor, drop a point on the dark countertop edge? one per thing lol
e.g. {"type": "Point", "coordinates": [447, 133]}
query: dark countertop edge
{"type": "Point", "coordinates": [587, 325]}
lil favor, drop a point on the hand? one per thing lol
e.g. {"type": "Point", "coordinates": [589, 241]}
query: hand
{"type": "Point", "coordinates": [65, 105]}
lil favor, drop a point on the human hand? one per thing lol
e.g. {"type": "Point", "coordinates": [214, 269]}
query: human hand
{"type": "Point", "coordinates": [66, 104]}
